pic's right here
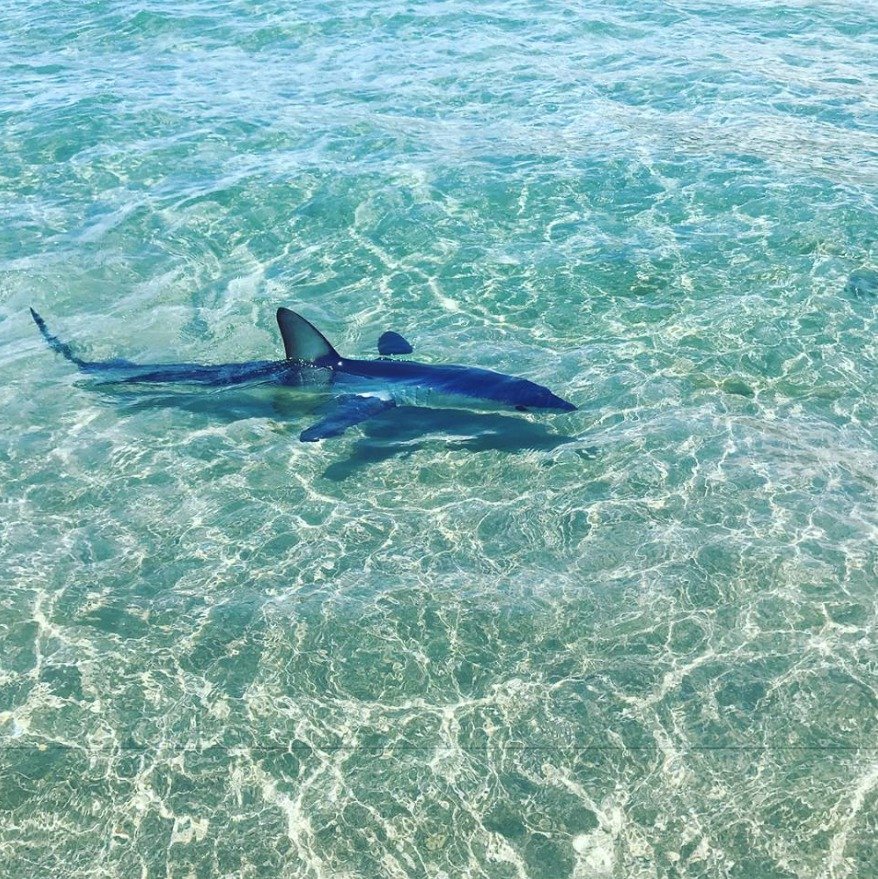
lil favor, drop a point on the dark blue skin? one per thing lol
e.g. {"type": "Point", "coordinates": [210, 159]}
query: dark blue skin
{"type": "Point", "coordinates": [366, 387]}
{"type": "Point", "coordinates": [461, 381]}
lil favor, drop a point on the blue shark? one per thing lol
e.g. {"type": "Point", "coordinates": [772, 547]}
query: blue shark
{"type": "Point", "coordinates": [360, 389]}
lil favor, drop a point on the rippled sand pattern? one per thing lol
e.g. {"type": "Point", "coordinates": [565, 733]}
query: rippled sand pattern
{"type": "Point", "coordinates": [634, 641]}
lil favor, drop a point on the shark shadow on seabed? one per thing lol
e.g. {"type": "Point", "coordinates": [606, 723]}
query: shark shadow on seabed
{"type": "Point", "coordinates": [399, 434]}
{"type": "Point", "coordinates": [225, 405]}
{"type": "Point", "coordinates": [416, 427]}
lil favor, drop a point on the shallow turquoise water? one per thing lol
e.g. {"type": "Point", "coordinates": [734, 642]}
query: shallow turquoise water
{"type": "Point", "coordinates": [634, 641]}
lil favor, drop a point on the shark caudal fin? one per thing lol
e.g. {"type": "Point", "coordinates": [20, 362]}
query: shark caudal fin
{"type": "Point", "coordinates": [304, 342]}
{"type": "Point", "coordinates": [55, 343]}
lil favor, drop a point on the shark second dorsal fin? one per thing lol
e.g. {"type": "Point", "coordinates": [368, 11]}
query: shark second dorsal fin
{"type": "Point", "coordinates": [302, 341]}
{"type": "Point", "coordinates": [393, 343]}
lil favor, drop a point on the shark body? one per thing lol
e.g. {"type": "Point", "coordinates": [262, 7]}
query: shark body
{"type": "Point", "coordinates": [360, 389]}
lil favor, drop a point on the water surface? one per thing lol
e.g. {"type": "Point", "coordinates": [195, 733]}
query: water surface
{"type": "Point", "coordinates": [633, 641]}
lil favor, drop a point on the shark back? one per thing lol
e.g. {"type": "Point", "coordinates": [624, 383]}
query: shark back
{"type": "Point", "coordinates": [452, 380]}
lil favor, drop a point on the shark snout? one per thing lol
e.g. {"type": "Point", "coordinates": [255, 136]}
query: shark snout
{"type": "Point", "coordinates": [542, 398]}
{"type": "Point", "coordinates": [553, 401]}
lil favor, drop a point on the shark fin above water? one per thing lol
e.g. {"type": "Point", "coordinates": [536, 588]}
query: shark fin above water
{"type": "Point", "coordinates": [303, 341]}
{"type": "Point", "coordinates": [393, 343]}
{"type": "Point", "coordinates": [346, 411]}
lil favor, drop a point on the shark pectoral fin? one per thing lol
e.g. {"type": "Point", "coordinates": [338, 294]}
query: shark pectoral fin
{"type": "Point", "coordinates": [393, 343]}
{"type": "Point", "coordinates": [346, 412]}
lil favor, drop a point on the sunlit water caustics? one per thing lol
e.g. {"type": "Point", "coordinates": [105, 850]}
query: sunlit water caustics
{"type": "Point", "coordinates": [635, 640]}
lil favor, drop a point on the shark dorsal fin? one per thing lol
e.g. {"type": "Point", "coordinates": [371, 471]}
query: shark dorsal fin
{"type": "Point", "coordinates": [393, 343]}
{"type": "Point", "coordinates": [302, 341]}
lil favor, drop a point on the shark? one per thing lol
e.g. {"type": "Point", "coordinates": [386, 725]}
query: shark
{"type": "Point", "coordinates": [358, 389]}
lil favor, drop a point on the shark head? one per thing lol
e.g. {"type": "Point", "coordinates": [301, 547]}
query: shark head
{"type": "Point", "coordinates": [524, 394]}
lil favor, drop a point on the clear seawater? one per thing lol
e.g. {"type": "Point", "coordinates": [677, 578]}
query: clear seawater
{"type": "Point", "coordinates": [638, 640]}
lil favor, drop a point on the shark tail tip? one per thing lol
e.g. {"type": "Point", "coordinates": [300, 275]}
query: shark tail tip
{"type": "Point", "coordinates": [41, 325]}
